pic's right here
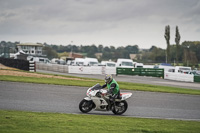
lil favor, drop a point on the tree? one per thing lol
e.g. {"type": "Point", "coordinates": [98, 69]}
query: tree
{"type": "Point", "coordinates": [92, 50]}
{"type": "Point", "coordinates": [100, 48]}
{"type": "Point", "coordinates": [50, 53]}
{"type": "Point", "coordinates": [106, 53]}
{"type": "Point", "coordinates": [167, 37]}
{"type": "Point", "coordinates": [173, 53]}
{"type": "Point", "coordinates": [156, 54]}
{"type": "Point", "coordinates": [191, 53]}
{"type": "Point", "coordinates": [132, 49]}
{"type": "Point", "coordinates": [177, 40]}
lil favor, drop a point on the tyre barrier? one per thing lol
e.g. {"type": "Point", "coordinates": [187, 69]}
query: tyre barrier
{"type": "Point", "coordinates": [32, 66]}
{"type": "Point", "coordinates": [15, 63]}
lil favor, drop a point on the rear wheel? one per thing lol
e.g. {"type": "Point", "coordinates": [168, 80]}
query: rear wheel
{"type": "Point", "coordinates": [85, 106]}
{"type": "Point", "coordinates": [120, 107]}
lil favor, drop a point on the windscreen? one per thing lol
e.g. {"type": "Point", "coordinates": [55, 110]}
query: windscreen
{"type": "Point", "coordinates": [96, 87]}
{"type": "Point", "coordinates": [79, 63]}
{"type": "Point", "coordinates": [127, 63]}
{"type": "Point", "coordinates": [93, 63]}
{"type": "Point", "coordinates": [184, 69]}
{"type": "Point", "coordinates": [110, 64]}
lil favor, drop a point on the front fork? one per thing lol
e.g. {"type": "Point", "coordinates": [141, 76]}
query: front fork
{"type": "Point", "coordinates": [90, 102]}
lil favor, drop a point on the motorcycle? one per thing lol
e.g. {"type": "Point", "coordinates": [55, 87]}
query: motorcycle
{"type": "Point", "coordinates": [99, 100]}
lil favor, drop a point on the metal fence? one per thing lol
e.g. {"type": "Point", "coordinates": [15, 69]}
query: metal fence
{"type": "Point", "coordinates": [141, 72]}
{"type": "Point", "coordinates": [52, 67]}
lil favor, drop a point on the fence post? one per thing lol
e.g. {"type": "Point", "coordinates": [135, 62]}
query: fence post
{"type": "Point", "coordinates": [103, 71]}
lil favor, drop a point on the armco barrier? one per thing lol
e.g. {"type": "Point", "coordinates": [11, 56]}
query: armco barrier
{"type": "Point", "coordinates": [52, 67]}
{"type": "Point", "coordinates": [76, 69]}
{"type": "Point", "coordinates": [109, 70]}
{"type": "Point", "coordinates": [179, 76]}
{"type": "Point", "coordinates": [141, 72]}
{"type": "Point", "coordinates": [92, 70]}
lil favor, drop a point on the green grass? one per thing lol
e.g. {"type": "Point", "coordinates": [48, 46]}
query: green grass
{"type": "Point", "coordinates": [28, 122]}
{"type": "Point", "coordinates": [54, 81]}
{"type": "Point", "coordinates": [155, 88]}
{"type": "Point", "coordinates": [87, 83]}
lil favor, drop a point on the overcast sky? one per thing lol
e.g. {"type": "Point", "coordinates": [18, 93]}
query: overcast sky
{"type": "Point", "coordinates": [106, 22]}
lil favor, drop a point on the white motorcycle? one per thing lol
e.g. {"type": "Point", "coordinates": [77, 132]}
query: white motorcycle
{"type": "Point", "coordinates": [98, 99]}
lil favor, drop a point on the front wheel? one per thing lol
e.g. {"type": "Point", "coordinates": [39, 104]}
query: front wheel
{"type": "Point", "coordinates": [120, 107]}
{"type": "Point", "coordinates": [85, 106]}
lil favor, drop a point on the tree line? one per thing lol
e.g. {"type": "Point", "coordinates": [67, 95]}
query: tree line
{"type": "Point", "coordinates": [188, 53]}
{"type": "Point", "coordinates": [90, 50]}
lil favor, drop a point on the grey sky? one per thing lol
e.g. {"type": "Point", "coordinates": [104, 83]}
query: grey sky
{"type": "Point", "coordinates": [106, 22]}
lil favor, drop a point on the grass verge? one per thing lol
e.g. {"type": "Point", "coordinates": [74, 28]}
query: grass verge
{"type": "Point", "coordinates": [87, 83]}
{"type": "Point", "coordinates": [23, 122]}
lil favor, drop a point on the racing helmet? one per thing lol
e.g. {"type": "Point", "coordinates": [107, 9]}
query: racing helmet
{"type": "Point", "coordinates": [108, 78]}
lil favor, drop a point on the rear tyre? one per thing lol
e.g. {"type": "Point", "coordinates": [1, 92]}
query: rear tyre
{"type": "Point", "coordinates": [120, 107]}
{"type": "Point", "coordinates": [85, 106]}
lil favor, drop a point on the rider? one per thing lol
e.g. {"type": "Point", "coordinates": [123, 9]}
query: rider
{"type": "Point", "coordinates": [113, 87]}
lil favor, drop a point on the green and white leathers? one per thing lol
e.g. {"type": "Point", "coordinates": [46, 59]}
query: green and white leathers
{"type": "Point", "coordinates": [116, 89]}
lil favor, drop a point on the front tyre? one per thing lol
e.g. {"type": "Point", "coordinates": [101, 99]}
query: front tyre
{"type": "Point", "coordinates": [120, 107]}
{"type": "Point", "coordinates": [85, 106]}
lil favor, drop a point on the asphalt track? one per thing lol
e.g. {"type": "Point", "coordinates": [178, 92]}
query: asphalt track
{"type": "Point", "coordinates": [137, 79]}
{"type": "Point", "coordinates": [65, 99]}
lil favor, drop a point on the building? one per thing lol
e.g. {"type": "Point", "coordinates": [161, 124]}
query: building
{"type": "Point", "coordinates": [75, 55]}
{"type": "Point", "coordinates": [34, 49]}
{"type": "Point", "coordinates": [135, 56]}
{"type": "Point", "coordinates": [99, 55]}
